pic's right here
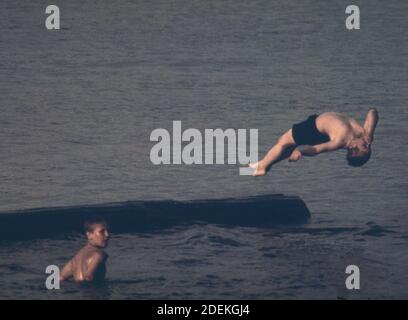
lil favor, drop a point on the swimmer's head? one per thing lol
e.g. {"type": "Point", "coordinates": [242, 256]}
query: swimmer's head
{"type": "Point", "coordinates": [96, 231]}
{"type": "Point", "coordinates": [359, 152]}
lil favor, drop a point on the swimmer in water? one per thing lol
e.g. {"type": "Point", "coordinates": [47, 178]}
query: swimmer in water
{"type": "Point", "coordinates": [329, 131]}
{"type": "Point", "coordinates": [89, 264]}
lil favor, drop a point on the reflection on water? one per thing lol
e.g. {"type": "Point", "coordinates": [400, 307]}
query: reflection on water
{"type": "Point", "coordinates": [95, 291]}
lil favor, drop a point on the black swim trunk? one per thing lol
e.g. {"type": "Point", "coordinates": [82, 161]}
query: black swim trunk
{"type": "Point", "coordinates": [306, 132]}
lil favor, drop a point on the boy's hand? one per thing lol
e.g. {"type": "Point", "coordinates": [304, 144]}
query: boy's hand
{"type": "Point", "coordinates": [295, 156]}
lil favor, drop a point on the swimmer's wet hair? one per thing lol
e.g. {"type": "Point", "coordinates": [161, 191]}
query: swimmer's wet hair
{"type": "Point", "coordinates": [358, 161]}
{"type": "Point", "coordinates": [91, 221]}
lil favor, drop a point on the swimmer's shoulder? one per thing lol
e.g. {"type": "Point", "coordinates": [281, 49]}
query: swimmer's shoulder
{"type": "Point", "coordinates": [97, 254]}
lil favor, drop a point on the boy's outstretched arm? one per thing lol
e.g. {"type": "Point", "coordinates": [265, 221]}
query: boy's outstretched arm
{"type": "Point", "coordinates": [370, 123]}
{"type": "Point", "coordinates": [67, 272]}
{"type": "Point", "coordinates": [311, 151]}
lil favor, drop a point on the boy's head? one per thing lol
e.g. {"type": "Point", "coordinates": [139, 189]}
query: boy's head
{"type": "Point", "coordinates": [359, 152]}
{"type": "Point", "coordinates": [96, 231]}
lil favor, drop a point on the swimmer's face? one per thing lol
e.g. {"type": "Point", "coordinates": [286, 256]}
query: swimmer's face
{"type": "Point", "coordinates": [358, 153]}
{"type": "Point", "coordinates": [99, 236]}
{"type": "Point", "coordinates": [359, 148]}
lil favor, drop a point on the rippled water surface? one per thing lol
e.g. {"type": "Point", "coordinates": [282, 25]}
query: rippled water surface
{"type": "Point", "coordinates": [78, 106]}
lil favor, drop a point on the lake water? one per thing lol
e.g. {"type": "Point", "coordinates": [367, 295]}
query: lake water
{"type": "Point", "coordinates": [78, 106]}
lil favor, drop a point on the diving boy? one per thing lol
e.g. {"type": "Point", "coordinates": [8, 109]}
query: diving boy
{"type": "Point", "coordinates": [329, 131]}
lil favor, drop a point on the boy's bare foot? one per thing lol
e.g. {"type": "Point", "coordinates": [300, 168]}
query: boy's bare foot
{"type": "Point", "coordinates": [259, 169]}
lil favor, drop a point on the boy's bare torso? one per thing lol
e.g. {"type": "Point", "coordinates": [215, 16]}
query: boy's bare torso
{"type": "Point", "coordinates": [338, 127]}
{"type": "Point", "coordinates": [81, 263]}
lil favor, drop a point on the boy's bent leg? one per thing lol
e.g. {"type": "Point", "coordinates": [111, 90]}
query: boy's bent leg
{"type": "Point", "coordinates": [281, 150]}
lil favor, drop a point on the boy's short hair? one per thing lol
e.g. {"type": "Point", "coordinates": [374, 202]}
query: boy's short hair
{"type": "Point", "coordinates": [358, 161]}
{"type": "Point", "coordinates": [91, 221]}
